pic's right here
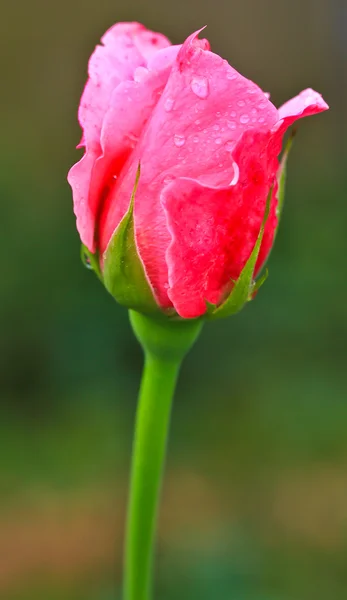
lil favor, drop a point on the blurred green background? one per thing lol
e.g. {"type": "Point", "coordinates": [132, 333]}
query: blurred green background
{"type": "Point", "coordinates": [255, 495]}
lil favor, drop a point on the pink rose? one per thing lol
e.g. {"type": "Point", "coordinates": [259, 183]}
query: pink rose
{"type": "Point", "coordinates": [207, 140]}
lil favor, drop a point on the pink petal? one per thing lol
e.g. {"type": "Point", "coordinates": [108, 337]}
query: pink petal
{"type": "Point", "coordinates": [307, 103]}
{"type": "Point", "coordinates": [126, 46]}
{"type": "Point", "coordinates": [213, 230]}
{"type": "Point", "coordinates": [204, 109]}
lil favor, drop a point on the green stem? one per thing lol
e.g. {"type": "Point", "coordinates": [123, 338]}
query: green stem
{"type": "Point", "coordinates": [165, 343]}
{"type": "Point", "coordinates": [152, 423]}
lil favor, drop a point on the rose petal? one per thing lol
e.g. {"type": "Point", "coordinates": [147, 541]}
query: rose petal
{"type": "Point", "coordinates": [131, 106]}
{"type": "Point", "coordinates": [213, 230]}
{"type": "Point", "coordinates": [125, 47]}
{"type": "Point", "coordinates": [308, 102]}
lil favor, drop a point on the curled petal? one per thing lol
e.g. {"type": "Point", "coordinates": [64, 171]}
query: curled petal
{"type": "Point", "coordinates": [307, 103]}
{"type": "Point", "coordinates": [126, 46]}
{"type": "Point", "coordinates": [213, 230]}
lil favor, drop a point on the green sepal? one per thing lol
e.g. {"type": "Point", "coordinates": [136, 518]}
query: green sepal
{"type": "Point", "coordinates": [91, 261]}
{"type": "Point", "coordinates": [258, 283]}
{"type": "Point", "coordinates": [244, 288]}
{"type": "Point", "coordinates": [124, 275]}
{"type": "Point", "coordinates": [282, 175]}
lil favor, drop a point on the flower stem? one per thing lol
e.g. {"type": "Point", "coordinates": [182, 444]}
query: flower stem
{"type": "Point", "coordinates": [165, 343]}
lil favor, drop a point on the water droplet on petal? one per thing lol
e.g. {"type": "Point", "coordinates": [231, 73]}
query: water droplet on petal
{"type": "Point", "coordinates": [218, 141]}
{"type": "Point", "coordinates": [233, 114]}
{"type": "Point", "coordinates": [229, 146]}
{"type": "Point", "coordinates": [231, 124]}
{"type": "Point", "coordinates": [244, 119]}
{"type": "Point", "coordinates": [179, 140]}
{"type": "Point", "coordinates": [262, 104]}
{"type": "Point", "coordinates": [168, 104]}
{"type": "Point", "coordinates": [241, 102]}
{"type": "Point", "coordinates": [261, 120]}
{"type": "Point", "coordinates": [133, 139]}
{"type": "Point", "coordinates": [168, 178]}
{"type": "Point", "coordinates": [197, 122]}
{"type": "Point", "coordinates": [195, 139]}
{"type": "Point", "coordinates": [216, 127]}
{"type": "Point", "coordinates": [200, 87]}
{"type": "Point", "coordinates": [231, 75]}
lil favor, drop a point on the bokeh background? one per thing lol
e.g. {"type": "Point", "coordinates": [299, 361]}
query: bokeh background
{"type": "Point", "coordinates": [255, 495]}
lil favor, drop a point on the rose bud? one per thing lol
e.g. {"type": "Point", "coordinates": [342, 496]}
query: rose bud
{"type": "Point", "coordinates": [177, 194]}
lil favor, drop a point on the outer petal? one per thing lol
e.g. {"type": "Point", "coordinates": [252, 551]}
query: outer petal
{"type": "Point", "coordinates": [126, 46]}
{"type": "Point", "coordinates": [307, 103]}
{"type": "Point", "coordinates": [131, 106]}
{"type": "Point", "coordinates": [213, 230]}
{"type": "Point", "coordinates": [204, 109]}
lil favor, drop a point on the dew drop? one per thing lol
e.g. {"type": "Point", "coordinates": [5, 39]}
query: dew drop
{"type": "Point", "coordinates": [254, 111]}
{"type": "Point", "coordinates": [262, 104]}
{"type": "Point", "coordinates": [244, 119]}
{"type": "Point", "coordinates": [218, 141]}
{"type": "Point", "coordinates": [195, 139]}
{"type": "Point", "coordinates": [197, 122]}
{"type": "Point", "coordinates": [133, 139]}
{"type": "Point", "coordinates": [86, 261]}
{"type": "Point", "coordinates": [229, 146]}
{"type": "Point", "coordinates": [252, 90]}
{"type": "Point", "coordinates": [233, 114]}
{"type": "Point", "coordinates": [168, 104]}
{"type": "Point", "coordinates": [231, 75]}
{"type": "Point", "coordinates": [216, 127]}
{"type": "Point", "coordinates": [168, 178]}
{"type": "Point", "coordinates": [231, 124]}
{"type": "Point", "coordinates": [179, 140]}
{"type": "Point", "coordinates": [261, 120]}
{"type": "Point", "coordinates": [241, 103]}
{"type": "Point", "coordinates": [200, 87]}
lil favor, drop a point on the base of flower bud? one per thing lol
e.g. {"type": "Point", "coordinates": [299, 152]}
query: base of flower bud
{"type": "Point", "coordinates": [167, 339]}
